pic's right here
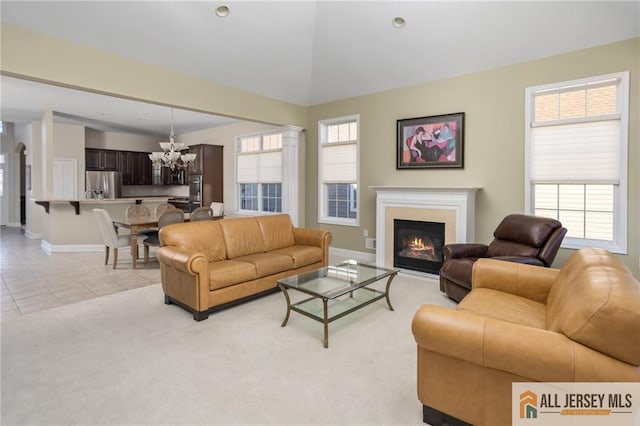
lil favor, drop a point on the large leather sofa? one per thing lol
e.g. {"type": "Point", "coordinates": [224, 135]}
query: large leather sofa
{"type": "Point", "coordinates": [522, 323]}
{"type": "Point", "coordinates": [208, 265]}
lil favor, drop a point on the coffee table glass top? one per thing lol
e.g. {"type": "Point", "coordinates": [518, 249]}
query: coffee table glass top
{"type": "Point", "coordinates": [334, 281]}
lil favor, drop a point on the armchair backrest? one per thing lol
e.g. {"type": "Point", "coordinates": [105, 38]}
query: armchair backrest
{"type": "Point", "coordinates": [595, 301]}
{"type": "Point", "coordinates": [527, 236]}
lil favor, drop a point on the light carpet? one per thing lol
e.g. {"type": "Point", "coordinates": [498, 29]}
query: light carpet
{"type": "Point", "coordinates": [129, 359]}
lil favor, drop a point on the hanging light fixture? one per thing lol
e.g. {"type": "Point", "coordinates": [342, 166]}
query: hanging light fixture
{"type": "Point", "coordinates": [171, 156]}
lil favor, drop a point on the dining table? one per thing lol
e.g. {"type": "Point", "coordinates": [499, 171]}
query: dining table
{"type": "Point", "coordinates": [135, 225]}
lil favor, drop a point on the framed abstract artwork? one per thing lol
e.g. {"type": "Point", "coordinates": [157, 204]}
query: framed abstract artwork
{"type": "Point", "coordinates": [434, 142]}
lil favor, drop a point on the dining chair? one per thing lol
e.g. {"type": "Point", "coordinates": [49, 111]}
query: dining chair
{"type": "Point", "coordinates": [201, 213]}
{"type": "Point", "coordinates": [161, 208]}
{"type": "Point", "coordinates": [111, 237]}
{"type": "Point", "coordinates": [137, 211]}
{"type": "Point", "coordinates": [217, 209]}
{"type": "Point", "coordinates": [168, 217]}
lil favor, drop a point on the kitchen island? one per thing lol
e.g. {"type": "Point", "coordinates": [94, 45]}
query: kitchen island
{"type": "Point", "coordinates": [70, 225]}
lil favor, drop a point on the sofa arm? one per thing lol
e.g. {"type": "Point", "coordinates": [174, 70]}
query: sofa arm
{"type": "Point", "coordinates": [192, 263]}
{"type": "Point", "coordinates": [538, 354]}
{"type": "Point", "coordinates": [314, 237]}
{"type": "Point", "coordinates": [460, 250]}
{"type": "Point", "coordinates": [532, 282]}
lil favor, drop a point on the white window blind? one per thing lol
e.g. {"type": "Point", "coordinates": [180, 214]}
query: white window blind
{"type": "Point", "coordinates": [264, 167]}
{"type": "Point", "coordinates": [270, 166]}
{"type": "Point", "coordinates": [338, 163]}
{"type": "Point", "coordinates": [577, 152]}
{"type": "Point", "coordinates": [248, 168]}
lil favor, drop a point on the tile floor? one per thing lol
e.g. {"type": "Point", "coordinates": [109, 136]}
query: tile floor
{"type": "Point", "coordinates": [32, 280]}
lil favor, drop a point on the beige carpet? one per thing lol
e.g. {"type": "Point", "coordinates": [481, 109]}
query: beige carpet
{"type": "Point", "coordinates": [129, 359]}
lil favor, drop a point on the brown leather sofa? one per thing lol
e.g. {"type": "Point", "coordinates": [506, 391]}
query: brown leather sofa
{"type": "Point", "coordinates": [521, 323]}
{"type": "Point", "coordinates": [533, 240]}
{"type": "Point", "coordinates": [208, 265]}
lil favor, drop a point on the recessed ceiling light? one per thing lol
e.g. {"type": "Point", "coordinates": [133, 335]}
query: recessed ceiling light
{"type": "Point", "coordinates": [222, 11]}
{"type": "Point", "coordinates": [398, 22]}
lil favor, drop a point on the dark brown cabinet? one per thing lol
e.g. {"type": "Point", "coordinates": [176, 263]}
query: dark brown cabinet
{"type": "Point", "coordinates": [101, 159]}
{"type": "Point", "coordinates": [136, 168]}
{"type": "Point", "coordinates": [206, 175]}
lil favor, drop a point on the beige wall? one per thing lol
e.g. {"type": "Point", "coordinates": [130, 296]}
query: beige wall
{"type": "Point", "coordinates": [121, 141]}
{"type": "Point", "coordinates": [68, 142]}
{"type": "Point", "coordinates": [493, 103]}
{"type": "Point", "coordinates": [225, 136]}
{"type": "Point", "coordinates": [35, 56]}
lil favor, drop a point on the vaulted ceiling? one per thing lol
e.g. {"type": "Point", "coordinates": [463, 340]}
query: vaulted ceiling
{"type": "Point", "coordinates": [312, 52]}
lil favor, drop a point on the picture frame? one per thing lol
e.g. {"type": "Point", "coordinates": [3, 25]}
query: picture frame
{"type": "Point", "coordinates": [435, 142]}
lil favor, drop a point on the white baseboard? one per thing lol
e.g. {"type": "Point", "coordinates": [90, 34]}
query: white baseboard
{"type": "Point", "coordinates": [31, 235]}
{"type": "Point", "coordinates": [49, 248]}
{"type": "Point", "coordinates": [14, 224]}
{"type": "Point", "coordinates": [352, 254]}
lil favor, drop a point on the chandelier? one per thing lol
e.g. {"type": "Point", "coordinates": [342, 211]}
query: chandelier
{"type": "Point", "coordinates": [171, 157]}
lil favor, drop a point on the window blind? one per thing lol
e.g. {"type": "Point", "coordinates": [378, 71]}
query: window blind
{"type": "Point", "coordinates": [577, 152]}
{"type": "Point", "coordinates": [338, 163]}
{"type": "Point", "coordinates": [264, 167]}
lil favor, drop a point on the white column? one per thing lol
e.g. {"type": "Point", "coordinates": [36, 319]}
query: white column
{"type": "Point", "coordinates": [292, 178]}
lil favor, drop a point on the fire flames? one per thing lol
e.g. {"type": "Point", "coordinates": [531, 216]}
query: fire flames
{"type": "Point", "coordinates": [418, 248]}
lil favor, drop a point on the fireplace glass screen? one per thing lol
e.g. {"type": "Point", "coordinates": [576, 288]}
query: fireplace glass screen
{"type": "Point", "coordinates": [418, 245]}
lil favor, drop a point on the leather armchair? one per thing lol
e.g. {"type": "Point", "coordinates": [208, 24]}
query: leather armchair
{"type": "Point", "coordinates": [518, 238]}
{"type": "Point", "coordinates": [522, 323]}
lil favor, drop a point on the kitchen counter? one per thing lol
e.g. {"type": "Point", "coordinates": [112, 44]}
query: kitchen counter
{"type": "Point", "coordinates": [96, 201]}
{"type": "Point", "coordinates": [70, 225]}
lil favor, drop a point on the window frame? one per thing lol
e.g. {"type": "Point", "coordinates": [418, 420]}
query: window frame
{"type": "Point", "coordinates": [322, 197]}
{"type": "Point", "coordinates": [620, 191]}
{"type": "Point", "coordinates": [238, 153]}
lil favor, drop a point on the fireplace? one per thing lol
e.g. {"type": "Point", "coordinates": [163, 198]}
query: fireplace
{"type": "Point", "coordinates": [418, 245]}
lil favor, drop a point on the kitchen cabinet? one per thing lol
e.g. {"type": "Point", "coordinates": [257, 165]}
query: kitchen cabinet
{"type": "Point", "coordinates": [206, 175]}
{"type": "Point", "coordinates": [101, 159]}
{"type": "Point", "coordinates": [136, 168]}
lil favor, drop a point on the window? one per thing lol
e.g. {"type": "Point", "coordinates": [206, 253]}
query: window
{"type": "Point", "coordinates": [576, 158]}
{"type": "Point", "coordinates": [338, 171]}
{"type": "Point", "coordinates": [259, 173]}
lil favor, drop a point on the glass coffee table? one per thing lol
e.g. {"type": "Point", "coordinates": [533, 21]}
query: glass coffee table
{"type": "Point", "coordinates": [336, 291]}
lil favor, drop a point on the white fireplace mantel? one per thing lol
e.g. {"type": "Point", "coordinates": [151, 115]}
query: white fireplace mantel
{"type": "Point", "coordinates": [455, 206]}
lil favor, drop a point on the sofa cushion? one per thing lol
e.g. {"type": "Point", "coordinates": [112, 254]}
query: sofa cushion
{"type": "Point", "coordinates": [595, 303]}
{"type": "Point", "coordinates": [228, 272]}
{"type": "Point", "coordinates": [242, 236]}
{"type": "Point", "coordinates": [277, 231]}
{"type": "Point", "coordinates": [301, 255]}
{"type": "Point", "coordinates": [268, 263]}
{"type": "Point", "coordinates": [504, 306]}
{"type": "Point", "coordinates": [202, 236]}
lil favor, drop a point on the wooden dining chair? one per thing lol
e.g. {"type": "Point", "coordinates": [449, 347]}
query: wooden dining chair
{"type": "Point", "coordinates": [168, 217]}
{"type": "Point", "coordinates": [110, 236]}
{"type": "Point", "coordinates": [161, 208]}
{"type": "Point", "coordinates": [137, 211]}
{"type": "Point", "coordinates": [201, 213]}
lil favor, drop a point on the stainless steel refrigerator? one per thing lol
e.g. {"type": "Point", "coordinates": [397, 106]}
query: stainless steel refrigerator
{"type": "Point", "coordinates": [107, 185]}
